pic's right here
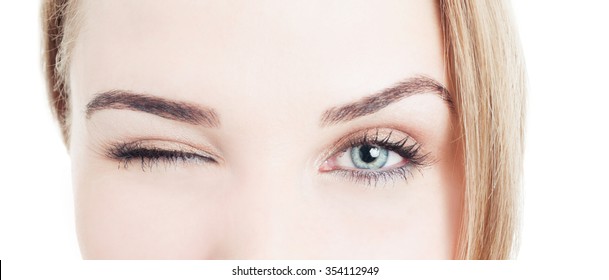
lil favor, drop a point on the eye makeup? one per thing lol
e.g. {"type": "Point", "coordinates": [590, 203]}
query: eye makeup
{"type": "Point", "coordinates": [150, 153]}
{"type": "Point", "coordinates": [376, 156]}
{"type": "Point", "coordinates": [371, 157]}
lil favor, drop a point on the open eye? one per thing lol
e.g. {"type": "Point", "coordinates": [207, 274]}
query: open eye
{"type": "Point", "coordinates": [365, 157]}
{"type": "Point", "coordinates": [375, 156]}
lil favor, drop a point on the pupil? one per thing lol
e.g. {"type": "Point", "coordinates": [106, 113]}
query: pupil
{"type": "Point", "coordinates": [369, 154]}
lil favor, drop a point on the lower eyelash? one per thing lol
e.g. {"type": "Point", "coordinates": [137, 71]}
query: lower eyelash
{"type": "Point", "coordinates": [416, 160]}
{"type": "Point", "coordinates": [376, 178]}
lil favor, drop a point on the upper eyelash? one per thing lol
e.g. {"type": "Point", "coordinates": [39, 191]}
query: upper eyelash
{"type": "Point", "coordinates": [125, 153]}
{"type": "Point", "coordinates": [411, 152]}
{"type": "Point", "coordinates": [417, 160]}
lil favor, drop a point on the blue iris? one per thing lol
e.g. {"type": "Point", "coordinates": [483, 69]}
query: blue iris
{"type": "Point", "coordinates": [369, 157]}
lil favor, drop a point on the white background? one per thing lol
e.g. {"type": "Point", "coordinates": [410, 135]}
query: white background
{"type": "Point", "coordinates": [566, 197]}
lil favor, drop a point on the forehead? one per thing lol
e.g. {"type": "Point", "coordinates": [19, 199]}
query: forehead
{"type": "Point", "coordinates": [255, 47]}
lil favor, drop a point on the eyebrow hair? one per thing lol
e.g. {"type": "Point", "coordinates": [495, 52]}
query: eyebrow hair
{"type": "Point", "coordinates": [375, 102]}
{"type": "Point", "coordinates": [168, 109]}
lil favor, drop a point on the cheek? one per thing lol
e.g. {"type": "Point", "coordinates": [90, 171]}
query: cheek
{"type": "Point", "coordinates": [209, 212]}
{"type": "Point", "coordinates": [413, 220]}
{"type": "Point", "coordinates": [121, 218]}
{"type": "Point", "coordinates": [139, 217]}
{"type": "Point", "coordinates": [131, 214]}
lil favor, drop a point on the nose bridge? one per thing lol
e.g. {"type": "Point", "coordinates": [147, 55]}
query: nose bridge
{"type": "Point", "coordinates": [261, 189]}
{"type": "Point", "coordinates": [267, 160]}
{"type": "Point", "coordinates": [256, 216]}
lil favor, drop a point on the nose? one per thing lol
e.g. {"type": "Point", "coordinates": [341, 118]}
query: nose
{"type": "Point", "coordinates": [264, 208]}
{"type": "Point", "coordinates": [267, 190]}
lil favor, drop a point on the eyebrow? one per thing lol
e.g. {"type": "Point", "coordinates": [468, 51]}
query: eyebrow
{"type": "Point", "coordinates": [375, 102]}
{"type": "Point", "coordinates": [169, 109]}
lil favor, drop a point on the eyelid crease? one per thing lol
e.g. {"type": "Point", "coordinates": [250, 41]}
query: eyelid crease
{"type": "Point", "coordinates": [414, 158]}
{"type": "Point", "coordinates": [123, 146]}
{"type": "Point", "coordinates": [151, 152]}
{"type": "Point", "coordinates": [356, 137]}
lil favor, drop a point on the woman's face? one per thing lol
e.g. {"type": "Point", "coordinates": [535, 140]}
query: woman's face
{"type": "Point", "coordinates": [263, 129]}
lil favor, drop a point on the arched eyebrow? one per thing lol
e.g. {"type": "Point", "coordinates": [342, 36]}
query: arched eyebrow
{"type": "Point", "coordinates": [375, 102]}
{"type": "Point", "coordinates": [200, 115]}
{"type": "Point", "coordinates": [169, 109]}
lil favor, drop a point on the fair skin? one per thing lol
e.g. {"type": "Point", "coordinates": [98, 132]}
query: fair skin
{"type": "Point", "coordinates": [260, 173]}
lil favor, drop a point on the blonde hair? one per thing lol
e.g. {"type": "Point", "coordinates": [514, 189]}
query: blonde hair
{"type": "Point", "coordinates": [486, 75]}
{"type": "Point", "coordinates": [486, 69]}
{"type": "Point", "coordinates": [59, 23]}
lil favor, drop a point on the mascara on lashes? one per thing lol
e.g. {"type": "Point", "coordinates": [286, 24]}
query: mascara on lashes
{"type": "Point", "coordinates": [126, 153]}
{"type": "Point", "coordinates": [413, 154]}
{"type": "Point", "coordinates": [150, 156]}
